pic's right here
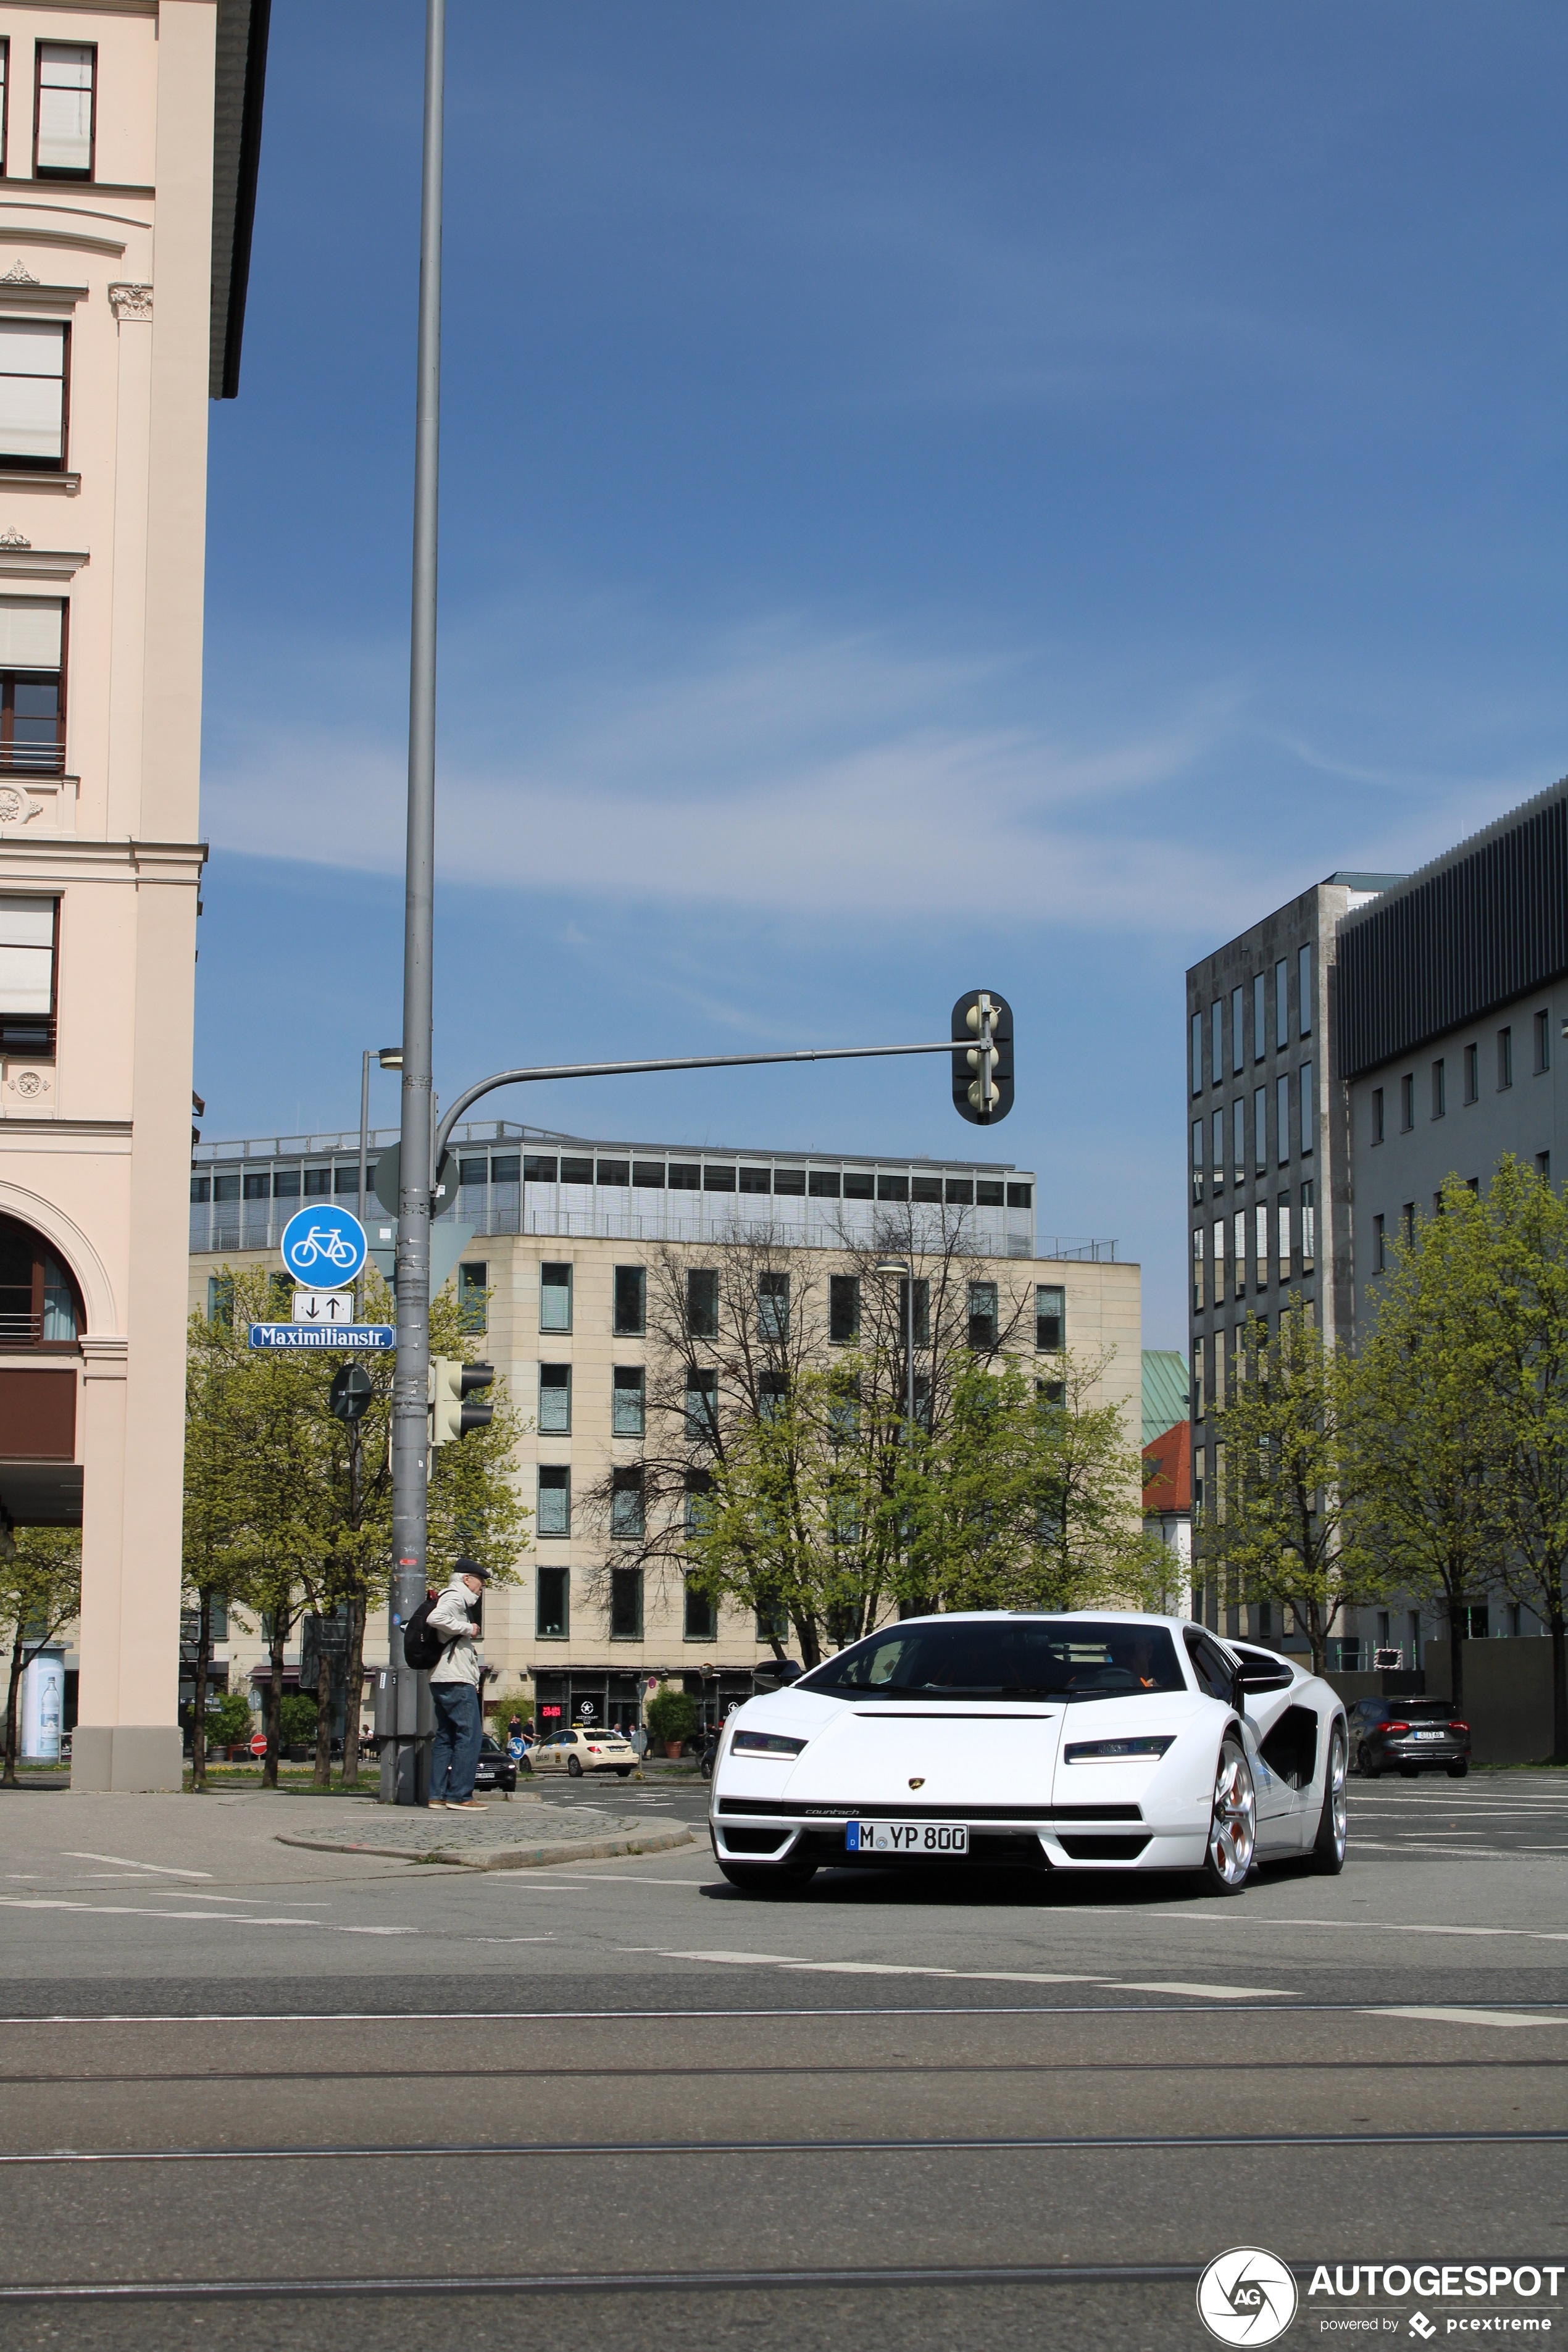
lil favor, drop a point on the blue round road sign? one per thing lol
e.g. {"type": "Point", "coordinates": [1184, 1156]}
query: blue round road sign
{"type": "Point", "coordinates": [323, 1246]}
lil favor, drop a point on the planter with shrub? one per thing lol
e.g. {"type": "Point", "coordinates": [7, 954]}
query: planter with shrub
{"type": "Point", "coordinates": [672, 1718]}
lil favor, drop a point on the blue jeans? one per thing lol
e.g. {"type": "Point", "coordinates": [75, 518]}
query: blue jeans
{"type": "Point", "coordinates": [455, 1750]}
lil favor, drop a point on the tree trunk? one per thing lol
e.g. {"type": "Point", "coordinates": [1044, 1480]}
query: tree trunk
{"type": "Point", "coordinates": [1458, 1627]}
{"type": "Point", "coordinates": [19, 1660]}
{"type": "Point", "coordinates": [322, 1776]}
{"type": "Point", "coordinates": [275, 1699]}
{"type": "Point", "coordinates": [353, 1689]}
{"type": "Point", "coordinates": [199, 1708]}
{"type": "Point", "coordinates": [1559, 1680]}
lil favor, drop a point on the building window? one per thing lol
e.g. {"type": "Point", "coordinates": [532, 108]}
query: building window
{"type": "Point", "coordinates": [843, 1309]}
{"type": "Point", "coordinates": [982, 1314]}
{"type": "Point", "coordinates": [1439, 1088]}
{"type": "Point", "coordinates": [1260, 1246]}
{"type": "Point", "coordinates": [32, 687]}
{"type": "Point", "coordinates": [1259, 1019]}
{"type": "Point", "coordinates": [1198, 1269]}
{"type": "Point", "coordinates": [773, 1306]}
{"type": "Point", "coordinates": [1237, 1141]}
{"type": "Point", "coordinates": [554, 1500]}
{"type": "Point", "coordinates": [1542, 1043]}
{"type": "Point", "coordinates": [1197, 1053]}
{"type": "Point", "coordinates": [986, 1194]}
{"type": "Point", "coordinates": [1505, 1057]}
{"type": "Point", "coordinates": [1218, 1149]}
{"type": "Point", "coordinates": [1238, 1254]}
{"type": "Point", "coordinates": [631, 1301]}
{"type": "Point", "coordinates": [701, 1406]}
{"type": "Point", "coordinates": [1309, 1111]}
{"type": "Point", "coordinates": [756, 1180]}
{"type": "Point", "coordinates": [702, 1303]}
{"type": "Point", "coordinates": [1197, 1160]}
{"type": "Point", "coordinates": [1377, 1114]}
{"type": "Point", "coordinates": [773, 1623]}
{"type": "Point", "coordinates": [63, 110]}
{"type": "Point", "coordinates": [1238, 1031]}
{"type": "Point", "coordinates": [220, 1299]}
{"type": "Point", "coordinates": [5, 103]}
{"type": "Point", "coordinates": [625, 1604]}
{"type": "Point", "coordinates": [929, 1189]}
{"type": "Point", "coordinates": [1260, 1130]}
{"type": "Point", "coordinates": [1472, 1072]}
{"type": "Point", "coordinates": [551, 1620]}
{"type": "Point", "coordinates": [1050, 1314]}
{"type": "Point", "coordinates": [1282, 1118]}
{"type": "Point", "coordinates": [473, 1289]}
{"type": "Point", "coordinates": [1407, 1218]}
{"type": "Point", "coordinates": [1218, 1299]}
{"type": "Point", "coordinates": [823, 1184]}
{"type": "Point", "coordinates": [701, 1615]}
{"type": "Point", "coordinates": [1379, 1245]}
{"type": "Point", "coordinates": [28, 929]}
{"type": "Point", "coordinates": [1304, 989]}
{"type": "Point", "coordinates": [33, 377]}
{"type": "Point", "coordinates": [791, 1181]}
{"type": "Point", "coordinates": [1198, 1355]}
{"type": "Point", "coordinates": [718, 1180]}
{"type": "Point", "coordinates": [626, 1505]}
{"type": "Point", "coordinates": [1542, 1167]}
{"type": "Point", "coordinates": [699, 1484]}
{"type": "Point", "coordinates": [537, 1169]}
{"type": "Point", "coordinates": [555, 1399]}
{"type": "Point", "coordinates": [555, 1297]}
{"type": "Point", "coordinates": [921, 1314]}
{"type": "Point", "coordinates": [892, 1188]}
{"type": "Point", "coordinates": [1407, 1102]}
{"type": "Point", "coordinates": [1281, 1005]}
{"type": "Point", "coordinates": [1283, 1212]}
{"type": "Point", "coordinates": [628, 1401]}
{"type": "Point", "coordinates": [1309, 1226]}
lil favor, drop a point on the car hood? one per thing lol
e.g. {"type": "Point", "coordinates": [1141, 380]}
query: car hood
{"type": "Point", "coordinates": [921, 1753]}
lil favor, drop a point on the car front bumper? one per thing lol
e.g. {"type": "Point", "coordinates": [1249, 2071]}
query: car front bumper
{"type": "Point", "coordinates": [1105, 1838]}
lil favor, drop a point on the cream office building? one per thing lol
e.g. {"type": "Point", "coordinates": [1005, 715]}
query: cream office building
{"type": "Point", "coordinates": [557, 1237]}
{"type": "Point", "coordinates": [129, 137]}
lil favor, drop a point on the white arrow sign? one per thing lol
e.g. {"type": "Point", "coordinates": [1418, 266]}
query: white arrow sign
{"type": "Point", "coordinates": [323, 1306]}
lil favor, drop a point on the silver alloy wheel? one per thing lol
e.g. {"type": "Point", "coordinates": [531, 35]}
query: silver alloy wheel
{"type": "Point", "coordinates": [1233, 1825]}
{"type": "Point", "coordinates": [1338, 1802]}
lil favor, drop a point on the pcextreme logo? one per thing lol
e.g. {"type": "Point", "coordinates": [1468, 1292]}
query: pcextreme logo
{"type": "Point", "coordinates": [1247, 2296]}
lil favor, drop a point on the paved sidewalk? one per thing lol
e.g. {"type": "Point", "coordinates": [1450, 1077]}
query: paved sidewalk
{"type": "Point", "coordinates": [496, 1839]}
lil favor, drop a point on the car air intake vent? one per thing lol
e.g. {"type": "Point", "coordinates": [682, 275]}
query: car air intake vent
{"type": "Point", "coordinates": [755, 1841]}
{"type": "Point", "coordinates": [1102, 1849]}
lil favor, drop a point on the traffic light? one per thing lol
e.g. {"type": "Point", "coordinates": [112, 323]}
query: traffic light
{"type": "Point", "coordinates": [983, 1020]}
{"type": "Point", "coordinates": [450, 1383]}
{"type": "Point", "coordinates": [351, 1392]}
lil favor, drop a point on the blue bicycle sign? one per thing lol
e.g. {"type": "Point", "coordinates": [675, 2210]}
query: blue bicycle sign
{"type": "Point", "coordinates": [323, 1246]}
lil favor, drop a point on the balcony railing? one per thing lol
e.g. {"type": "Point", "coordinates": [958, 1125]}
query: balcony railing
{"type": "Point", "coordinates": [32, 759]}
{"type": "Point", "coordinates": [21, 1330]}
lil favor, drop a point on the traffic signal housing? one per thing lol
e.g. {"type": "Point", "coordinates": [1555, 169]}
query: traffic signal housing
{"type": "Point", "coordinates": [451, 1416]}
{"type": "Point", "coordinates": [982, 1026]}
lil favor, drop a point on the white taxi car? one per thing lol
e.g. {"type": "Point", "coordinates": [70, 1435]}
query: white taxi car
{"type": "Point", "coordinates": [586, 1749]}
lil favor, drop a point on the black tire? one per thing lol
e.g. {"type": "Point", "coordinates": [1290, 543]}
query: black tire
{"type": "Point", "coordinates": [1410, 1771]}
{"type": "Point", "coordinates": [1328, 1845]}
{"type": "Point", "coordinates": [1457, 1769]}
{"type": "Point", "coordinates": [775, 1882]}
{"type": "Point", "coordinates": [1232, 1842]}
{"type": "Point", "coordinates": [574, 1767]}
{"type": "Point", "coordinates": [1364, 1765]}
{"type": "Point", "coordinates": [623, 1772]}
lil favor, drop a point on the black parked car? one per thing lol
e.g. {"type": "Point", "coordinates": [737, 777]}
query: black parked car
{"type": "Point", "coordinates": [1408, 1735]}
{"type": "Point", "coordinates": [495, 1769]}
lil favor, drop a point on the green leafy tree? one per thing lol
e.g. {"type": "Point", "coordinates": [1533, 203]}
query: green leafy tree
{"type": "Point", "coordinates": [1432, 1437]}
{"type": "Point", "coordinates": [1283, 1524]}
{"type": "Point", "coordinates": [227, 1720]}
{"type": "Point", "coordinates": [40, 1592]}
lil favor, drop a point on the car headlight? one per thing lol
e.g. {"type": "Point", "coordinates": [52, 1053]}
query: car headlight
{"type": "Point", "coordinates": [765, 1743]}
{"type": "Point", "coordinates": [1118, 1751]}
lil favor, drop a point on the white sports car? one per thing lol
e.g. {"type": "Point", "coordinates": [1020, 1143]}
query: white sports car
{"type": "Point", "coordinates": [1091, 1740]}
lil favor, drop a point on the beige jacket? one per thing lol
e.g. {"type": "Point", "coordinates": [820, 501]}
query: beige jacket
{"type": "Point", "coordinates": [459, 1661]}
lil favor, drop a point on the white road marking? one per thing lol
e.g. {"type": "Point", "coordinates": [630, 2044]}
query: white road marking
{"type": "Point", "coordinates": [968, 1976]}
{"type": "Point", "coordinates": [1465, 2016]}
{"type": "Point", "coordinates": [159, 1869]}
{"type": "Point", "coordinates": [1212, 1992]}
{"type": "Point", "coordinates": [134, 1911]}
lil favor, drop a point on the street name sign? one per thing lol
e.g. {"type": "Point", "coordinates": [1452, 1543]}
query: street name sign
{"type": "Point", "coordinates": [323, 1335]}
{"type": "Point", "coordinates": [323, 1243]}
{"type": "Point", "coordinates": [333, 1306]}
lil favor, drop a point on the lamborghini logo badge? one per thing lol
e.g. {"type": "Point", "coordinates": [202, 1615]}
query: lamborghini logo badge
{"type": "Point", "coordinates": [917, 1784]}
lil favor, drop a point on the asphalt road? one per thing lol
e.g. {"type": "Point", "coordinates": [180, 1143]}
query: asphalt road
{"type": "Point", "coordinates": [619, 2099]}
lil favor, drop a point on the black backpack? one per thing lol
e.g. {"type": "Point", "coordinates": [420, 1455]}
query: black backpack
{"type": "Point", "coordinates": [422, 1648]}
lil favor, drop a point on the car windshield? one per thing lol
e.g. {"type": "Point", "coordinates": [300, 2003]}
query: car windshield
{"type": "Point", "coordinates": [1022, 1658]}
{"type": "Point", "coordinates": [1420, 1711]}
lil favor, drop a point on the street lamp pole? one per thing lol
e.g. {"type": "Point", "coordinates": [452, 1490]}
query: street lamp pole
{"type": "Point", "coordinates": [410, 1461]}
{"type": "Point", "coordinates": [906, 1267]}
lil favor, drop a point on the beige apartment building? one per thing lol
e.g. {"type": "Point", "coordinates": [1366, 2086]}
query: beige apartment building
{"type": "Point", "coordinates": [560, 1246]}
{"type": "Point", "coordinates": [128, 139]}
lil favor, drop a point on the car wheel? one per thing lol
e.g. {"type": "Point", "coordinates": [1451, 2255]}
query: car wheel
{"type": "Point", "coordinates": [1364, 1765]}
{"type": "Point", "coordinates": [1328, 1845]}
{"type": "Point", "coordinates": [623, 1772]}
{"type": "Point", "coordinates": [780, 1880]}
{"type": "Point", "coordinates": [1232, 1822]}
{"type": "Point", "coordinates": [1457, 1769]}
{"type": "Point", "coordinates": [574, 1767]}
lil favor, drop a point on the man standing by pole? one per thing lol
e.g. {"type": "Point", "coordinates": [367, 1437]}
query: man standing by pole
{"type": "Point", "coordinates": [404, 1761]}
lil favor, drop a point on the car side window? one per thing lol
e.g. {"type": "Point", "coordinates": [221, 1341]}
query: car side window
{"type": "Point", "coordinates": [1211, 1666]}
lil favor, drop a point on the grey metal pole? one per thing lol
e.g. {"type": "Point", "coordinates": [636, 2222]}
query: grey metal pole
{"type": "Point", "coordinates": [400, 1772]}
{"type": "Point", "coordinates": [363, 1125]}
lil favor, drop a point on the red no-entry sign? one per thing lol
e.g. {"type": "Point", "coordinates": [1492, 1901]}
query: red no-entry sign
{"type": "Point", "coordinates": [258, 1744]}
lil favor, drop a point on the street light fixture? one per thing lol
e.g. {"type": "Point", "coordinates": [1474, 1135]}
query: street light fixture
{"type": "Point", "coordinates": [390, 1058]}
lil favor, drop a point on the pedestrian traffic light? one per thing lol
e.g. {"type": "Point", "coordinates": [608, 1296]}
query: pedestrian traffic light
{"type": "Point", "coordinates": [450, 1383]}
{"type": "Point", "coordinates": [351, 1393]}
{"type": "Point", "coordinates": [983, 1064]}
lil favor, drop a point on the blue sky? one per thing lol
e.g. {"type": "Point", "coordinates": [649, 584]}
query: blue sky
{"type": "Point", "coordinates": [933, 495]}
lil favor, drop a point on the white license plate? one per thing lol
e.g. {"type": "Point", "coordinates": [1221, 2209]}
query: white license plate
{"type": "Point", "coordinates": [935, 1838]}
{"type": "Point", "coordinates": [1431, 1735]}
